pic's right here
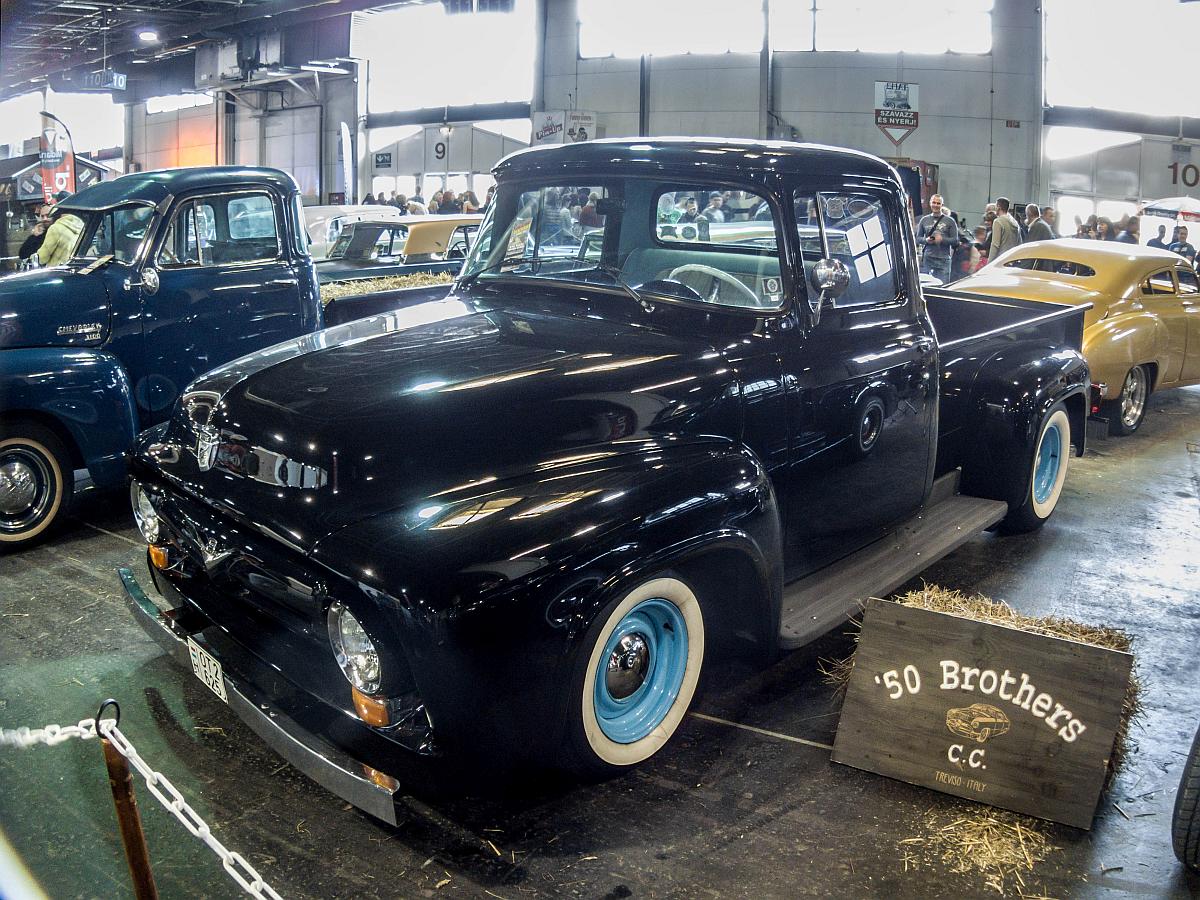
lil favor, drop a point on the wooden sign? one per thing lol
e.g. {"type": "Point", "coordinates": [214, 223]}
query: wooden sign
{"type": "Point", "coordinates": [981, 711]}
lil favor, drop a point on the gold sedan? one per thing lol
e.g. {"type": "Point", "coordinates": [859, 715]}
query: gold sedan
{"type": "Point", "coordinates": [1143, 330]}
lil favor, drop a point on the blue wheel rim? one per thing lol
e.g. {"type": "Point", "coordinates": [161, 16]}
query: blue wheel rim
{"type": "Point", "coordinates": [661, 625]}
{"type": "Point", "coordinates": [1045, 472]}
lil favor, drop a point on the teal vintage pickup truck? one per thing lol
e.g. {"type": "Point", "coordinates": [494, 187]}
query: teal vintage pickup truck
{"type": "Point", "coordinates": [172, 273]}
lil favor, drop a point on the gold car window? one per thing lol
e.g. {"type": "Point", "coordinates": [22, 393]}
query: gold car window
{"type": "Point", "coordinates": [1188, 283]}
{"type": "Point", "coordinates": [1048, 264]}
{"type": "Point", "coordinates": [1159, 283]}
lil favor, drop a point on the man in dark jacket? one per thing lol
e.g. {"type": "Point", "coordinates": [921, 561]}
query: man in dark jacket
{"type": "Point", "coordinates": [1038, 229]}
{"type": "Point", "coordinates": [33, 243]}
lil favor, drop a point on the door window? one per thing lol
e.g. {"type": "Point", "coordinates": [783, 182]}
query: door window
{"type": "Point", "coordinates": [858, 230]}
{"type": "Point", "coordinates": [1159, 283]}
{"type": "Point", "coordinates": [221, 230]}
{"type": "Point", "coordinates": [1189, 285]}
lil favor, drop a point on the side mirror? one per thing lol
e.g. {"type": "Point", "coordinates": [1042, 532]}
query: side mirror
{"type": "Point", "coordinates": [829, 278]}
{"type": "Point", "coordinates": [150, 280]}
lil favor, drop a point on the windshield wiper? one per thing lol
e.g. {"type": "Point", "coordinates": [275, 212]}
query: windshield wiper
{"type": "Point", "coordinates": [616, 272]}
{"type": "Point", "coordinates": [468, 280]}
{"type": "Point", "coordinates": [96, 264]}
{"type": "Point", "coordinates": [535, 263]}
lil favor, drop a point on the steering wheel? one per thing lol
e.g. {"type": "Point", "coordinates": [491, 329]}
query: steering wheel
{"type": "Point", "coordinates": [718, 277]}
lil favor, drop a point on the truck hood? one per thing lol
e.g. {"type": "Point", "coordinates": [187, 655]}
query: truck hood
{"type": "Point", "coordinates": [416, 405]}
{"type": "Point", "coordinates": [56, 307]}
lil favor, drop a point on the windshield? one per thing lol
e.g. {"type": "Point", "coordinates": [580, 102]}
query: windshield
{"type": "Point", "coordinates": [700, 241]}
{"type": "Point", "coordinates": [114, 232]}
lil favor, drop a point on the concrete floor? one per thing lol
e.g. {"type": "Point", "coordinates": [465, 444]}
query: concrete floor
{"type": "Point", "coordinates": [724, 811]}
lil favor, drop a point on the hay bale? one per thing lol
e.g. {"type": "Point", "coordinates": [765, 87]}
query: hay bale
{"type": "Point", "coordinates": [992, 847]}
{"type": "Point", "coordinates": [360, 286]}
{"type": "Point", "coordinates": [997, 612]}
{"type": "Point", "coordinates": [988, 845]}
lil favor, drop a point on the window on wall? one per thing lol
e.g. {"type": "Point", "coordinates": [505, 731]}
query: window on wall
{"type": "Point", "coordinates": [1113, 54]}
{"type": "Point", "coordinates": [671, 27]}
{"type": "Point", "coordinates": [176, 102]}
{"type": "Point", "coordinates": [419, 56]}
{"type": "Point", "coordinates": [95, 121]}
{"type": "Point", "coordinates": [911, 26]}
{"type": "Point", "coordinates": [633, 28]}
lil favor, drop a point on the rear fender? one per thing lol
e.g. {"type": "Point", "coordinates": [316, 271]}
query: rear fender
{"type": "Point", "coordinates": [1010, 397]}
{"type": "Point", "coordinates": [84, 395]}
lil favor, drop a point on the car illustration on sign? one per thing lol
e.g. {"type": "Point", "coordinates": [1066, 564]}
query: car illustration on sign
{"type": "Point", "coordinates": [977, 722]}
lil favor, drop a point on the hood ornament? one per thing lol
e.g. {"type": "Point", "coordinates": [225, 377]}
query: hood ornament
{"type": "Point", "coordinates": [208, 439]}
{"type": "Point", "coordinates": [212, 553]}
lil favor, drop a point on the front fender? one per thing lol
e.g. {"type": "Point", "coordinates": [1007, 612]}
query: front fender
{"type": "Point", "coordinates": [1010, 396]}
{"type": "Point", "coordinates": [1115, 345]}
{"type": "Point", "coordinates": [86, 393]}
{"type": "Point", "coordinates": [491, 621]}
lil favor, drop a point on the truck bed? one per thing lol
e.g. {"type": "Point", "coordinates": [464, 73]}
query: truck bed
{"type": "Point", "coordinates": [967, 325]}
{"type": "Point", "coordinates": [961, 318]}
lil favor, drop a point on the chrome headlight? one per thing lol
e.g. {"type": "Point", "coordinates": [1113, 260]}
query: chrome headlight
{"type": "Point", "coordinates": [148, 522]}
{"type": "Point", "coordinates": [353, 649]}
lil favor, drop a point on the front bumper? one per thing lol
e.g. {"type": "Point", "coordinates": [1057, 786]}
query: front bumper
{"type": "Point", "coordinates": [330, 767]}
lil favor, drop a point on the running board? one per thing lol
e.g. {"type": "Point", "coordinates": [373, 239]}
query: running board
{"type": "Point", "coordinates": [821, 601]}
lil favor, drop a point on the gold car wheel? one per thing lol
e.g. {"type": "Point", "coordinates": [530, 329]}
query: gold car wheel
{"type": "Point", "coordinates": [1133, 398]}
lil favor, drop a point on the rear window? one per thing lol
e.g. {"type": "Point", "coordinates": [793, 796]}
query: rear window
{"type": "Point", "coordinates": [1057, 266]}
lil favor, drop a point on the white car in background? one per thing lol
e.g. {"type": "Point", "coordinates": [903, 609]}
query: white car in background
{"type": "Point", "coordinates": [324, 223]}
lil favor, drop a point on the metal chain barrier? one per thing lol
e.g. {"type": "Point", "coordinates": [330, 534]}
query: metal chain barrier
{"type": "Point", "coordinates": [158, 784]}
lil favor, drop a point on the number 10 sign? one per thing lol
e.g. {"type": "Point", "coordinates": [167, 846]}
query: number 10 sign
{"type": "Point", "coordinates": [990, 713]}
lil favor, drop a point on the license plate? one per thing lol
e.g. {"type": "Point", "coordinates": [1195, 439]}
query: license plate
{"type": "Point", "coordinates": [207, 669]}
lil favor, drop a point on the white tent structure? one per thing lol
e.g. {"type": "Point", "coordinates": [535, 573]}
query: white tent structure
{"type": "Point", "coordinates": [439, 151]}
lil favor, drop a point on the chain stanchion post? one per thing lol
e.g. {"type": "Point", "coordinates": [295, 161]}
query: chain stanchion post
{"type": "Point", "coordinates": [129, 820]}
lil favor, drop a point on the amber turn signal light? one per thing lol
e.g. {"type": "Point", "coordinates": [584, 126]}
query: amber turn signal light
{"type": "Point", "coordinates": [381, 779]}
{"type": "Point", "coordinates": [371, 710]}
{"type": "Point", "coordinates": [159, 556]}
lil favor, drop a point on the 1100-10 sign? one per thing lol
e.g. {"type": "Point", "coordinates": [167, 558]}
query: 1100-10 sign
{"type": "Point", "coordinates": [1188, 175]}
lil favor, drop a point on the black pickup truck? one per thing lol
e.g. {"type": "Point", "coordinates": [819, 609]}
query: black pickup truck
{"type": "Point", "coordinates": [509, 522]}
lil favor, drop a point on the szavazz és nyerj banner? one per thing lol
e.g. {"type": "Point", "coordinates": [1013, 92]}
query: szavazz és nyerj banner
{"type": "Point", "coordinates": [57, 157]}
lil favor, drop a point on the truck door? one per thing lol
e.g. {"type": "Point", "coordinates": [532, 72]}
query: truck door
{"type": "Point", "coordinates": [227, 287]}
{"type": "Point", "coordinates": [863, 381]}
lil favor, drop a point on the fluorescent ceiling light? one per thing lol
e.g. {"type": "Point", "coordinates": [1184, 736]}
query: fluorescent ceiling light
{"type": "Point", "coordinates": [148, 35]}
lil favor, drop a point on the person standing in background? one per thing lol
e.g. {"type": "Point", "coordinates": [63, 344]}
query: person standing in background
{"type": "Point", "coordinates": [1158, 241]}
{"type": "Point", "coordinates": [33, 243]}
{"type": "Point", "coordinates": [937, 236]}
{"type": "Point", "coordinates": [1049, 216]}
{"type": "Point", "coordinates": [61, 238]}
{"type": "Point", "coordinates": [1006, 233]}
{"type": "Point", "coordinates": [1129, 234]}
{"type": "Point", "coordinates": [1038, 230]}
{"type": "Point", "coordinates": [713, 211]}
{"type": "Point", "coordinates": [1180, 246]}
